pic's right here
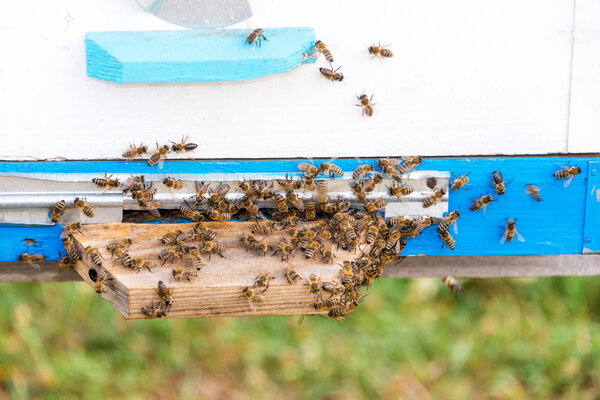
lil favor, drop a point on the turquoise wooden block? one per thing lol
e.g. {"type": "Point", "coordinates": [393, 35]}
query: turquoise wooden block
{"type": "Point", "coordinates": [195, 55]}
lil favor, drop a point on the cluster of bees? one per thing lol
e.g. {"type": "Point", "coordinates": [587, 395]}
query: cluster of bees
{"type": "Point", "coordinates": [324, 222]}
{"type": "Point", "coordinates": [159, 155]}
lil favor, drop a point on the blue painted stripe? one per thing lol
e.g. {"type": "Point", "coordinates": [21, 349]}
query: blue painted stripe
{"type": "Point", "coordinates": [195, 55]}
{"type": "Point", "coordinates": [591, 229]}
{"type": "Point", "coordinates": [553, 226]}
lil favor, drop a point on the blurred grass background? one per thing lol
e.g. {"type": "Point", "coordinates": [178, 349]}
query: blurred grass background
{"type": "Point", "coordinates": [503, 338]}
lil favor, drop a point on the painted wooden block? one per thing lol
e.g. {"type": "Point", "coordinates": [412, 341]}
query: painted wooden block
{"type": "Point", "coordinates": [195, 55]}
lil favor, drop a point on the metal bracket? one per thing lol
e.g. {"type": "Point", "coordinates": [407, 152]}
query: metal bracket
{"type": "Point", "coordinates": [591, 223]}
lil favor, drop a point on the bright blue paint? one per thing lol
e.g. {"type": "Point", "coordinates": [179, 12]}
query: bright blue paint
{"type": "Point", "coordinates": [553, 226]}
{"type": "Point", "coordinates": [591, 229]}
{"type": "Point", "coordinates": [194, 55]}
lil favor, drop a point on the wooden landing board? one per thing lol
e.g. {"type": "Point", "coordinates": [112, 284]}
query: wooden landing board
{"type": "Point", "coordinates": [217, 290]}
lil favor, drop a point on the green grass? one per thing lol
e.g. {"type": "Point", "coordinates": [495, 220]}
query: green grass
{"type": "Point", "coordinates": [518, 339]}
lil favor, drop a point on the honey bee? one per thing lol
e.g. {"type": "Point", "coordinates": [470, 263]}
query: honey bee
{"type": "Point", "coordinates": [262, 247]}
{"type": "Point", "coordinates": [32, 259]}
{"type": "Point", "coordinates": [146, 194]}
{"type": "Point", "coordinates": [567, 173]}
{"type": "Point", "coordinates": [327, 303]}
{"type": "Point", "coordinates": [135, 151]}
{"type": "Point", "coordinates": [294, 200]}
{"type": "Point", "coordinates": [94, 255]}
{"type": "Point", "coordinates": [332, 169]}
{"type": "Point", "coordinates": [155, 311]}
{"type": "Point", "coordinates": [452, 284]}
{"type": "Point", "coordinates": [183, 146]}
{"type": "Point", "coordinates": [218, 216]}
{"type": "Point", "coordinates": [393, 162]}
{"type": "Point", "coordinates": [375, 205]}
{"type": "Point", "coordinates": [324, 50]}
{"type": "Point", "coordinates": [190, 213]}
{"type": "Point", "coordinates": [280, 202]}
{"type": "Point", "coordinates": [179, 273]}
{"type": "Point", "coordinates": [498, 183]}
{"type": "Point", "coordinates": [253, 297]}
{"type": "Point", "coordinates": [289, 184]}
{"type": "Point", "coordinates": [447, 238]}
{"type": "Point", "coordinates": [402, 221]}
{"type": "Point", "coordinates": [256, 36]}
{"type": "Point", "coordinates": [481, 202]}
{"type": "Point", "coordinates": [366, 104]}
{"type": "Point", "coordinates": [333, 288]}
{"type": "Point", "coordinates": [460, 182]}
{"type": "Point", "coordinates": [372, 234]}
{"type": "Point", "coordinates": [173, 183]}
{"type": "Point", "coordinates": [311, 211]}
{"type": "Point", "coordinates": [338, 312]}
{"type": "Point", "coordinates": [434, 198]}
{"type": "Point", "coordinates": [101, 279]}
{"type": "Point", "coordinates": [373, 182]}
{"type": "Point", "coordinates": [287, 250]}
{"type": "Point", "coordinates": [139, 263]}
{"type": "Point", "coordinates": [308, 169]}
{"type": "Point", "coordinates": [534, 192]}
{"type": "Point", "coordinates": [171, 237]}
{"type": "Point", "coordinates": [72, 227]}
{"type": "Point", "coordinates": [57, 210]}
{"type": "Point", "coordinates": [84, 207]}
{"type": "Point", "coordinates": [392, 239]}
{"type": "Point", "coordinates": [106, 182]}
{"type": "Point", "coordinates": [409, 164]}
{"type": "Point", "coordinates": [115, 247]}
{"type": "Point", "coordinates": [165, 294]}
{"type": "Point", "coordinates": [314, 284]}
{"type": "Point", "coordinates": [203, 232]}
{"type": "Point", "coordinates": [248, 241]}
{"type": "Point", "coordinates": [358, 190]}
{"type": "Point", "coordinates": [510, 232]}
{"type": "Point", "coordinates": [312, 248]}
{"type": "Point", "coordinates": [201, 189]}
{"type": "Point", "coordinates": [349, 232]}
{"type": "Point", "coordinates": [347, 274]}
{"type": "Point", "coordinates": [332, 75]}
{"type": "Point", "coordinates": [380, 51]}
{"type": "Point", "coordinates": [196, 260]}
{"type": "Point", "coordinates": [266, 227]}
{"type": "Point", "coordinates": [209, 247]}
{"type": "Point", "coordinates": [158, 157]}
{"type": "Point", "coordinates": [449, 220]}
{"type": "Point", "coordinates": [262, 281]}
{"type": "Point", "coordinates": [168, 255]}
{"type": "Point", "coordinates": [327, 255]}
{"type": "Point", "coordinates": [135, 183]}
{"type": "Point", "coordinates": [219, 194]}
{"type": "Point", "coordinates": [401, 190]}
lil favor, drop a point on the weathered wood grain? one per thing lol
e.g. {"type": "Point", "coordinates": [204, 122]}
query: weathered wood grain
{"type": "Point", "coordinates": [217, 291]}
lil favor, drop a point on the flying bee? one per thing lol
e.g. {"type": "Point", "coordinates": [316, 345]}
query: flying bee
{"type": "Point", "coordinates": [567, 173]}
{"type": "Point", "coordinates": [362, 171]}
{"type": "Point", "coordinates": [106, 182]}
{"type": "Point", "coordinates": [332, 75]}
{"type": "Point", "coordinates": [57, 210]}
{"type": "Point", "coordinates": [253, 297]}
{"type": "Point", "coordinates": [449, 220]}
{"type": "Point", "coordinates": [314, 284]}
{"type": "Point", "coordinates": [498, 183]}
{"type": "Point", "coordinates": [101, 279]}
{"type": "Point", "coordinates": [409, 164]}
{"type": "Point", "coordinates": [196, 260]}
{"type": "Point", "coordinates": [510, 232]}
{"type": "Point", "coordinates": [158, 157]}
{"type": "Point", "coordinates": [179, 273]}
{"type": "Point", "coordinates": [452, 284]}
{"type": "Point", "coordinates": [32, 259]}
{"type": "Point", "coordinates": [481, 202]}
{"type": "Point", "coordinates": [308, 169]}
{"type": "Point", "coordinates": [460, 182]}
{"type": "Point", "coordinates": [534, 192]}
{"type": "Point", "coordinates": [322, 48]}
{"type": "Point", "coordinates": [401, 190]}
{"type": "Point", "coordinates": [372, 183]}
{"type": "Point", "coordinates": [380, 51]}
{"type": "Point", "coordinates": [84, 207]}
{"type": "Point", "coordinates": [165, 293]}
{"type": "Point", "coordinates": [171, 237]}
{"type": "Point", "coordinates": [434, 198]}
{"type": "Point", "coordinates": [287, 250]}
{"type": "Point", "coordinates": [173, 183]}
{"type": "Point", "coordinates": [447, 238]}
{"type": "Point", "coordinates": [94, 255]}
{"type": "Point", "coordinates": [135, 151]}
{"type": "Point", "coordinates": [256, 36]}
{"type": "Point", "coordinates": [183, 146]}
{"type": "Point", "coordinates": [331, 168]}
{"type": "Point", "coordinates": [375, 205]}
{"type": "Point", "coordinates": [72, 227]}
{"type": "Point", "coordinates": [366, 104]}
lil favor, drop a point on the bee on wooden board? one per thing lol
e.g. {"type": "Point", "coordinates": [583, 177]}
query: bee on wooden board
{"type": "Point", "coordinates": [567, 173]}
{"type": "Point", "coordinates": [452, 284]}
{"type": "Point", "coordinates": [292, 276]}
{"type": "Point", "coordinates": [84, 207]}
{"type": "Point", "coordinates": [155, 311]}
{"type": "Point", "coordinates": [498, 183]}
{"type": "Point", "coordinates": [101, 279]}
{"type": "Point", "coordinates": [534, 192]}
{"type": "Point", "coordinates": [71, 228]}
{"type": "Point", "coordinates": [332, 75]}
{"type": "Point", "coordinates": [158, 157]}
{"type": "Point", "coordinates": [256, 36]}
{"type": "Point", "coordinates": [314, 284]}
{"type": "Point", "coordinates": [94, 255]}
{"type": "Point", "coordinates": [253, 297]}
{"type": "Point", "coordinates": [139, 264]}
{"type": "Point", "coordinates": [180, 273]}
{"type": "Point", "coordinates": [57, 210]}
{"type": "Point", "coordinates": [366, 104]}
{"type": "Point", "coordinates": [434, 198]}
{"type": "Point", "coordinates": [380, 51]}
{"type": "Point", "coordinates": [216, 215]}
{"type": "Point", "coordinates": [287, 250]}
{"type": "Point", "coordinates": [172, 183]}
{"type": "Point", "coordinates": [481, 202]}
{"type": "Point", "coordinates": [322, 48]}
{"type": "Point", "coordinates": [106, 182]}
{"type": "Point", "coordinates": [460, 182]}
{"type": "Point", "coordinates": [183, 146]}
{"type": "Point", "coordinates": [210, 247]}
{"type": "Point", "coordinates": [171, 237]}
{"type": "Point", "coordinates": [510, 232]}
{"type": "Point", "coordinates": [201, 189]}
{"type": "Point", "coordinates": [65, 262]}
{"type": "Point", "coordinates": [32, 259]}
{"type": "Point", "coordinates": [165, 293]}
{"type": "Point", "coordinates": [196, 260]}
{"type": "Point", "coordinates": [135, 151]}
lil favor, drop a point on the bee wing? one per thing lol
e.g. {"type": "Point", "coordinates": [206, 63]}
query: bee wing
{"type": "Point", "coordinates": [568, 181]}
{"type": "Point", "coordinates": [151, 208]}
{"type": "Point", "coordinates": [484, 210]}
{"type": "Point", "coordinates": [299, 204]}
{"type": "Point", "coordinates": [35, 266]}
{"type": "Point", "coordinates": [519, 236]}
{"type": "Point", "coordinates": [252, 306]}
{"type": "Point", "coordinates": [455, 227]}
{"type": "Point", "coordinates": [301, 319]}
{"type": "Point", "coordinates": [503, 238]}
{"type": "Point", "coordinates": [161, 163]}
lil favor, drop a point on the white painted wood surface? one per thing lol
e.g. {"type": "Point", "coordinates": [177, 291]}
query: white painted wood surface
{"type": "Point", "coordinates": [584, 127]}
{"type": "Point", "coordinates": [468, 77]}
